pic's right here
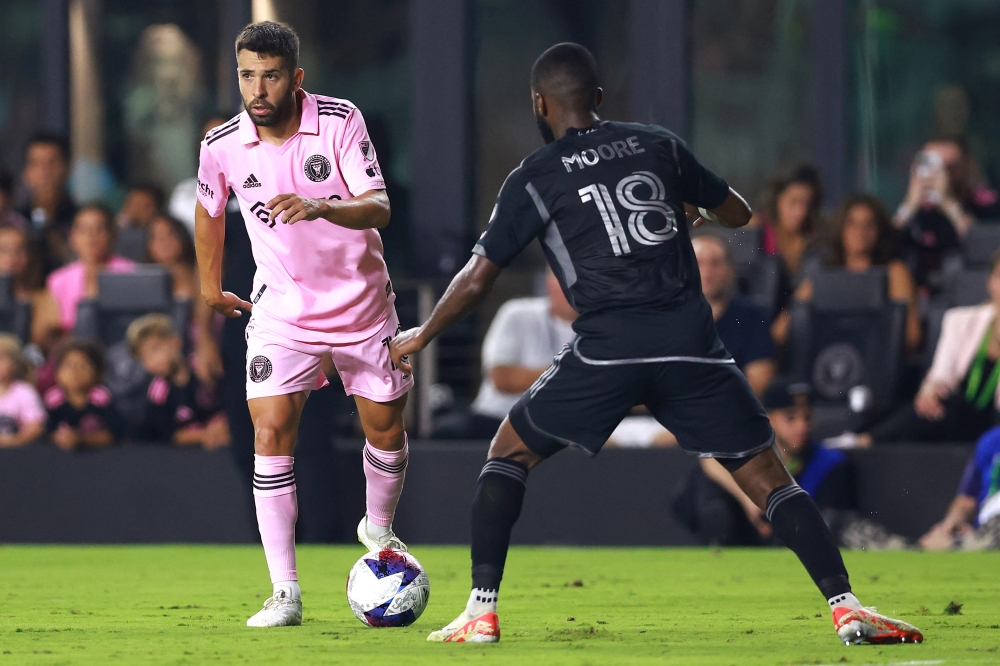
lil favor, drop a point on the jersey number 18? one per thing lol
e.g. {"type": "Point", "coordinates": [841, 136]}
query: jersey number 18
{"type": "Point", "coordinates": [640, 208]}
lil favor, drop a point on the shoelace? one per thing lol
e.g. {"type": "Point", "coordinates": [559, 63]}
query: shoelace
{"type": "Point", "coordinates": [276, 600]}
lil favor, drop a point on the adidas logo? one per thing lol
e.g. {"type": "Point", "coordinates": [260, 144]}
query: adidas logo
{"type": "Point", "coordinates": [251, 182]}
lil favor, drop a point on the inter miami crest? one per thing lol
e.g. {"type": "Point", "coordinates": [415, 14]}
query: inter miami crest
{"type": "Point", "coordinates": [260, 369]}
{"type": "Point", "coordinates": [317, 168]}
{"type": "Point", "coordinates": [366, 150]}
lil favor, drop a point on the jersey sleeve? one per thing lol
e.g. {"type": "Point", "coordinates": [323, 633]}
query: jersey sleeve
{"type": "Point", "coordinates": [356, 157]}
{"type": "Point", "coordinates": [212, 189]}
{"type": "Point", "coordinates": [700, 185]}
{"type": "Point", "coordinates": [32, 409]}
{"type": "Point", "coordinates": [515, 222]}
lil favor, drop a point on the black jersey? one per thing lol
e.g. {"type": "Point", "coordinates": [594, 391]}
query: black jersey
{"type": "Point", "coordinates": [607, 206]}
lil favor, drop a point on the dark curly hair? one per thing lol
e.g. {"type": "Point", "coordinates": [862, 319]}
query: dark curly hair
{"type": "Point", "coordinates": [883, 252]}
{"type": "Point", "coordinates": [271, 38]}
{"type": "Point", "coordinates": [92, 350]}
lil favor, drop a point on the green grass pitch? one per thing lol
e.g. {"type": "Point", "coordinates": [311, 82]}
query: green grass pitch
{"type": "Point", "coordinates": [188, 605]}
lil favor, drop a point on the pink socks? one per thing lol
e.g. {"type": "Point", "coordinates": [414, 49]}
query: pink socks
{"type": "Point", "coordinates": [277, 509]}
{"type": "Point", "coordinates": [384, 471]}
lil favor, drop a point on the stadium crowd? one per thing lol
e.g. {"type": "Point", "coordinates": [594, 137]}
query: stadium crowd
{"type": "Point", "coordinates": [161, 380]}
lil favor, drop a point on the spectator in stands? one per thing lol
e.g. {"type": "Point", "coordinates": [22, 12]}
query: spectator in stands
{"type": "Point", "coordinates": [50, 209]}
{"type": "Point", "coordinates": [92, 238]}
{"type": "Point", "coordinates": [80, 411]}
{"type": "Point", "coordinates": [18, 260]}
{"type": "Point", "coordinates": [959, 397]}
{"type": "Point", "coordinates": [8, 216]}
{"type": "Point", "coordinates": [519, 346]}
{"type": "Point", "coordinates": [944, 198]}
{"type": "Point", "coordinates": [143, 202]}
{"type": "Point", "coordinates": [743, 326]}
{"type": "Point", "coordinates": [179, 408]}
{"type": "Point", "coordinates": [973, 519]}
{"type": "Point", "coordinates": [861, 240]}
{"type": "Point", "coordinates": [714, 507]}
{"type": "Point", "coordinates": [170, 245]}
{"type": "Point", "coordinates": [22, 415]}
{"type": "Point", "coordinates": [791, 219]}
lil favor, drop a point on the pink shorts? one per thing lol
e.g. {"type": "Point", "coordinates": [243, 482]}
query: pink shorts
{"type": "Point", "coordinates": [278, 364]}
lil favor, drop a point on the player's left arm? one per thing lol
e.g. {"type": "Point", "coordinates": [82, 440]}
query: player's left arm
{"type": "Point", "coordinates": [369, 210]}
{"type": "Point", "coordinates": [465, 292]}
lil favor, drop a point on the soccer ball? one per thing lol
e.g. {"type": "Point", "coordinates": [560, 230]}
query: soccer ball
{"type": "Point", "coordinates": [388, 588]}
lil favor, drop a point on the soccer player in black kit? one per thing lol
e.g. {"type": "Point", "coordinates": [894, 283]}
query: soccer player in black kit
{"type": "Point", "coordinates": [610, 204]}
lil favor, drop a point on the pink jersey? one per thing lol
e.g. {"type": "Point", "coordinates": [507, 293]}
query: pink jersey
{"type": "Point", "coordinates": [66, 285]}
{"type": "Point", "coordinates": [313, 275]}
{"type": "Point", "coordinates": [20, 404]}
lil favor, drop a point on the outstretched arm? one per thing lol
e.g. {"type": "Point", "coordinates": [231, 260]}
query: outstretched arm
{"type": "Point", "coordinates": [465, 292]}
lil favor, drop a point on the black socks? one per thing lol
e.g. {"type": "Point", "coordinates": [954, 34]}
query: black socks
{"type": "Point", "coordinates": [494, 511]}
{"type": "Point", "coordinates": [799, 525]}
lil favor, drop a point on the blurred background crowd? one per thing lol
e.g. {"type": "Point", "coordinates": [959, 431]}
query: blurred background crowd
{"type": "Point", "coordinates": [860, 302]}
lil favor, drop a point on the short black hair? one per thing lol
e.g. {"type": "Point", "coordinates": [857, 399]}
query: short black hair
{"type": "Point", "coordinates": [271, 38]}
{"type": "Point", "coordinates": [60, 141]}
{"type": "Point", "coordinates": [153, 190]}
{"type": "Point", "coordinates": [567, 72]}
{"type": "Point", "coordinates": [89, 348]}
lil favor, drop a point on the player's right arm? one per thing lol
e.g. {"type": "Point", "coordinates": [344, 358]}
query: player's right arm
{"type": "Point", "coordinates": [209, 237]}
{"type": "Point", "coordinates": [707, 197]}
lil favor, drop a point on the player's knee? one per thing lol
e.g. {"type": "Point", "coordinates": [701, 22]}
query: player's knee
{"type": "Point", "coordinates": [388, 438]}
{"type": "Point", "coordinates": [270, 441]}
{"type": "Point", "coordinates": [507, 444]}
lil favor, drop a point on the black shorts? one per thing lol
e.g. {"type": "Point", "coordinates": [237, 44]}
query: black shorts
{"type": "Point", "coordinates": [706, 403]}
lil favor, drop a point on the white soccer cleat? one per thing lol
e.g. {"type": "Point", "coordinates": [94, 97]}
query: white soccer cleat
{"type": "Point", "coordinates": [279, 611]}
{"type": "Point", "coordinates": [374, 545]}
{"type": "Point", "coordinates": [865, 625]}
{"type": "Point", "coordinates": [483, 628]}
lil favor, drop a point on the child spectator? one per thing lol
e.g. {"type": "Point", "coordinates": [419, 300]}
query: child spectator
{"type": "Point", "coordinates": [179, 409]}
{"type": "Point", "coordinates": [80, 411]}
{"type": "Point", "coordinates": [22, 415]}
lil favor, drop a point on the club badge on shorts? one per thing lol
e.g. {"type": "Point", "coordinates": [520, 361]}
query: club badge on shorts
{"type": "Point", "coordinates": [260, 369]}
{"type": "Point", "coordinates": [317, 168]}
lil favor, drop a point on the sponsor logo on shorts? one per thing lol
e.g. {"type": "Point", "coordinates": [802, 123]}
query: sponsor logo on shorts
{"type": "Point", "coordinates": [317, 168]}
{"type": "Point", "coordinates": [260, 369]}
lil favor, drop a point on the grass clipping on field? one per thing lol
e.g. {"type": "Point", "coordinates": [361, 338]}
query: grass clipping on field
{"type": "Point", "coordinates": [178, 604]}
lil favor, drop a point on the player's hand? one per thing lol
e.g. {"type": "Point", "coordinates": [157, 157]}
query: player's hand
{"type": "Point", "coordinates": [694, 218]}
{"type": "Point", "coordinates": [228, 304]}
{"type": "Point", "coordinates": [294, 208]}
{"type": "Point", "coordinates": [928, 406]}
{"type": "Point", "coordinates": [759, 521]}
{"type": "Point", "coordinates": [406, 343]}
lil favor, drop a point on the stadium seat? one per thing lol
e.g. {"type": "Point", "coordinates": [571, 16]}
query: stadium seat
{"type": "Point", "coordinates": [15, 315]}
{"type": "Point", "coordinates": [131, 244]}
{"type": "Point", "coordinates": [124, 297]}
{"type": "Point", "coordinates": [980, 243]}
{"type": "Point", "coordinates": [849, 336]}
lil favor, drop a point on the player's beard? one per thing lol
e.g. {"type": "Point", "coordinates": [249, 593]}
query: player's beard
{"type": "Point", "coordinates": [280, 112]}
{"type": "Point", "coordinates": [548, 136]}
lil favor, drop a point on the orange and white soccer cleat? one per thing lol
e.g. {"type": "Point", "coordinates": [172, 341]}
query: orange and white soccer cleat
{"type": "Point", "coordinates": [483, 628]}
{"type": "Point", "coordinates": [865, 625]}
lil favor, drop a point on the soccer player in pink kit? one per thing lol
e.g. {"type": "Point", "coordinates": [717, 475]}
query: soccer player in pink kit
{"type": "Point", "coordinates": [308, 183]}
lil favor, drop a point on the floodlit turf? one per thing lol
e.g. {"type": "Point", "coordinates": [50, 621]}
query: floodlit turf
{"type": "Point", "coordinates": [188, 605]}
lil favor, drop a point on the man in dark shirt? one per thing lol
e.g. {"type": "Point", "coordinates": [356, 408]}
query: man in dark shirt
{"type": "Point", "coordinates": [50, 209]}
{"type": "Point", "coordinates": [743, 326]}
{"type": "Point", "coordinates": [608, 201]}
